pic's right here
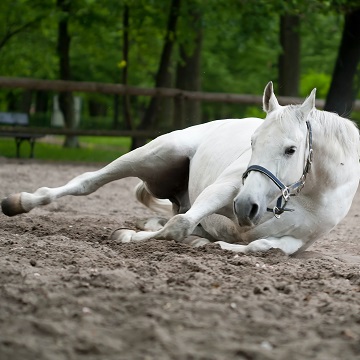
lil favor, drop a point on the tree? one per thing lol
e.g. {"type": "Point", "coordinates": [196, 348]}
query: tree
{"type": "Point", "coordinates": [66, 99]}
{"type": "Point", "coordinates": [162, 75]}
{"type": "Point", "coordinates": [345, 82]}
{"type": "Point", "coordinates": [188, 71]}
{"type": "Point", "coordinates": [12, 27]}
{"type": "Point", "coordinates": [289, 59]}
{"type": "Point", "coordinates": [235, 44]}
{"type": "Point", "coordinates": [126, 98]}
{"type": "Point", "coordinates": [12, 24]}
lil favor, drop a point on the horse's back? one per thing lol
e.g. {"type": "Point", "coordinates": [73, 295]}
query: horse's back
{"type": "Point", "coordinates": [181, 150]}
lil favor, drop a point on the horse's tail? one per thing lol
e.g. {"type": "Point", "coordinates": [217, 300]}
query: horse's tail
{"type": "Point", "coordinates": [161, 206]}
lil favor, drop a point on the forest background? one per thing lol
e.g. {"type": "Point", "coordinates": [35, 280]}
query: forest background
{"type": "Point", "coordinates": [214, 46]}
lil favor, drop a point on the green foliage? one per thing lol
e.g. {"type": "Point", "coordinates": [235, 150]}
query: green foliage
{"type": "Point", "coordinates": [320, 38]}
{"type": "Point", "coordinates": [320, 81]}
{"type": "Point", "coordinates": [255, 111]}
{"type": "Point", "coordinates": [28, 51]}
{"type": "Point", "coordinates": [240, 47]}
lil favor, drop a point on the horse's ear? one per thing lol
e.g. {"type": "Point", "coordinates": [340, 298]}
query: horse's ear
{"type": "Point", "coordinates": [270, 102]}
{"type": "Point", "coordinates": [308, 104]}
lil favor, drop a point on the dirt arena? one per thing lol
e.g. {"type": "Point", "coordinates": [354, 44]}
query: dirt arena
{"type": "Point", "coordinates": [67, 292]}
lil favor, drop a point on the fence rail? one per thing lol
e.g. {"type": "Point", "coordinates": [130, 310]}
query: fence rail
{"type": "Point", "coordinates": [120, 89]}
{"type": "Point", "coordinates": [78, 132]}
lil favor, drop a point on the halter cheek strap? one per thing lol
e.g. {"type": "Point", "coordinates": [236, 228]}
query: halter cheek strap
{"type": "Point", "coordinates": [290, 190]}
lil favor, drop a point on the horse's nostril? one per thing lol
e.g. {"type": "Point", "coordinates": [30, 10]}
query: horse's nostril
{"type": "Point", "coordinates": [253, 211]}
{"type": "Point", "coordinates": [247, 211]}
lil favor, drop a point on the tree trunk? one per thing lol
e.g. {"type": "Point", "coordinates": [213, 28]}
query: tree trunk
{"type": "Point", "coordinates": [66, 99]}
{"type": "Point", "coordinates": [165, 106]}
{"type": "Point", "coordinates": [126, 98]}
{"type": "Point", "coordinates": [96, 108]}
{"type": "Point", "coordinates": [41, 101]}
{"type": "Point", "coordinates": [344, 88]}
{"type": "Point", "coordinates": [124, 78]}
{"type": "Point", "coordinates": [188, 112]}
{"type": "Point", "coordinates": [26, 100]}
{"type": "Point", "coordinates": [289, 59]}
{"type": "Point", "coordinates": [162, 75]}
{"type": "Point", "coordinates": [12, 102]}
{"type": "Point", "coordinates": [116, 112]}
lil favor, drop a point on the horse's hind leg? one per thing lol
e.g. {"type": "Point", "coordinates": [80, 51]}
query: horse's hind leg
{"type": "Point", "coordinates": [162, 164]}
{"type": "Point", "coordinates": [180, 204]}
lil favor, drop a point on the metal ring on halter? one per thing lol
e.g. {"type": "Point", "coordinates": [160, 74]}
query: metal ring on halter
{"type": "Point", "coordinates": [275, 210]}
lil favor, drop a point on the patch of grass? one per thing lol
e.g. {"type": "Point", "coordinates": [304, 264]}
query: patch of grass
{"type": "Point", "coordinates": [92, 149]}
{"type": "Point", "coordinates": [106, 140]}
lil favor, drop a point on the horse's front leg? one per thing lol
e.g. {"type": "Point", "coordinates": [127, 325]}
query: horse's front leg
{"type": "Point", "coordinates": [288, 244]}
{"type": "Point", "coordinates": [212, 199]}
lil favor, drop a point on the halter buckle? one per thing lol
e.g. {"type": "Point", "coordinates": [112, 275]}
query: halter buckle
{"type": "Point", "coordinates": [276, 211]}
{"type": "Point", "coordinates": [311, 156]}
{"type": "Point", "coordinates": [286, 194]}
{"type": "Point", "coordinates": [309, 161]}
{"type": "Point", "coordinates": [302, 183]}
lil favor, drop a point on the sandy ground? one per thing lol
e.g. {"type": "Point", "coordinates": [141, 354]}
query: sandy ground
{"type": "Point", "coordinates": [67, 292]}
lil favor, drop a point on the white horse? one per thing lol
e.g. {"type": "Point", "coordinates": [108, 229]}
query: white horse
{"type": "Point", "coordinates": [280, 183]}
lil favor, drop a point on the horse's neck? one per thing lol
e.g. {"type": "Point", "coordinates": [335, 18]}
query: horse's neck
{"type": "Point", "coordinates": [334, 175]}
{"type": "Point", "coordinates": [335, 151]}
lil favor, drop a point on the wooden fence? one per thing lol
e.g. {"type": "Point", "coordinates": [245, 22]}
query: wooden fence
{"type": "Point", "coordinates": [107, 88]}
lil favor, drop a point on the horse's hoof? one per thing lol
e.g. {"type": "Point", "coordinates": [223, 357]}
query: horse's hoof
{"type": "Point", "coordinates": [11, 205]}
{"type": "Point", "coordinates": [122, 235]}
{"type": "Point", "coordinates": [200, 242]}
{"type": "Point", "coordinates": [151, 224]}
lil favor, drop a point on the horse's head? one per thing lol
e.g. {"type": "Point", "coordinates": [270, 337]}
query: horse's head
{"type": "Point", "coordinates": [280, 153]}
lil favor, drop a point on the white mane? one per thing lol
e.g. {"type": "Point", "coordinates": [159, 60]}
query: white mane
{"type": "Point", "coordinates": [333, 127]}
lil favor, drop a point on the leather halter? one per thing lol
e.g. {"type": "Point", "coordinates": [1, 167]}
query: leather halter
{"type": "Point", "coordinates": [289, 190]}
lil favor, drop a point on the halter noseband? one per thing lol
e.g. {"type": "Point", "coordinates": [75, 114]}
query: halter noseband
{"type": "Point", "coordinates": [286, 191]}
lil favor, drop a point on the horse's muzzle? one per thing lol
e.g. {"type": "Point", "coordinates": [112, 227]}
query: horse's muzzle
{"type": "Point", "coordinates": [248, 211]}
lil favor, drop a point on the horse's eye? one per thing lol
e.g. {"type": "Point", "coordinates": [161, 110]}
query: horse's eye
{"type": "Point", "coordinates": [290, 150]}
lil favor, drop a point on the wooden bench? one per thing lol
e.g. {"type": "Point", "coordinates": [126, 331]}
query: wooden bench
{"type": "Point", "coordinates": [18, 119]}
